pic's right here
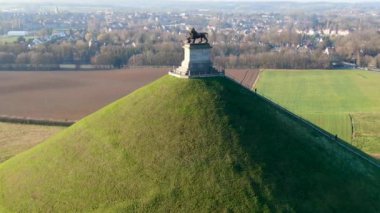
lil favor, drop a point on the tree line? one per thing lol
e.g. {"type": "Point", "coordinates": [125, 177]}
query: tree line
{"type": "Point", "coordinates": [274, 49]}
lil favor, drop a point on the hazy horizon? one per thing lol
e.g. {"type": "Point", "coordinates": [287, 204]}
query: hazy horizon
{"type": "Point", "coordinates": [158, 1]}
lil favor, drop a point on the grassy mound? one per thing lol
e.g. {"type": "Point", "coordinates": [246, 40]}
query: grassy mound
{"type": "Point", "coordinates": [188, 145]}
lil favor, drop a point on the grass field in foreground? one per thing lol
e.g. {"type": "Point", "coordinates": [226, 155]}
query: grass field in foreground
{"type": "Point", "coordinates": [338, 101]}
{"type": "Point", "coordinates": [16, 138]}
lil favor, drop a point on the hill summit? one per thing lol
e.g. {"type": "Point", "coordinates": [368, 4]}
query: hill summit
{"type": "Point", "coordinates": [195, 145]}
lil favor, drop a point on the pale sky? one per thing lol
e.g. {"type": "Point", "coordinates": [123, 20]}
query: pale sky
{"type": "Point", "coordinates": [121, 1]}
{"type": "Point", "coordinates": [156, 2]}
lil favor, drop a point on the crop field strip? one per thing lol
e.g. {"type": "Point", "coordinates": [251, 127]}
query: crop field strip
{"type": "Point", "coordinates": [20, 134]}
{"type": "Point", "coordinates": [333, 100]}
{"type": "Point", "coordinates": [16, 138]}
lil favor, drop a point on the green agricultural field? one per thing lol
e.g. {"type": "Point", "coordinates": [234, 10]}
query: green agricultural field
{"type": "Point", "coordinates": [16, 138]}
{"type": "Point", "coordinates": [6, 39]}
{"type": "Point", "coordinates": [346, 103]}
{"type": "Point", "coordinates": [11, 39]}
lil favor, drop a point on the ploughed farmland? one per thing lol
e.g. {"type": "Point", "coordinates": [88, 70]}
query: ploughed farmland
{"type": "Point", "coordinates": [246, 77]}
{"type": "Point", "coordinates": [68, 95]}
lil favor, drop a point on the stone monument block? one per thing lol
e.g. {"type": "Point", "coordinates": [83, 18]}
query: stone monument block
{"type": "Point", "coordinates": [197, 62]}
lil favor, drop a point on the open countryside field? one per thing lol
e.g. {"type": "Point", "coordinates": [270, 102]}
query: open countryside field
{"type": "Point", "coordinates": [346, 103]}
{"type": "Point", "coordinates": [16, 138]}
{"type": "Point", "coordinates": [68, 95]}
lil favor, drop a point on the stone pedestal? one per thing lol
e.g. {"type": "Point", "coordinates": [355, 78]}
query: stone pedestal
{"type": "Point", "coordinates": [197, 62]}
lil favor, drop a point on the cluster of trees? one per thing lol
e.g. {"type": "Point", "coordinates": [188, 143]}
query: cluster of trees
{"type": "Point", "coordinates": [362, 47]}
{"type": "Point", "coordinates": [168, 54]}
{"type": "Point", "coordinates": [288, 49]}
{"type": "Point", "coordinates": [286, 59]}
{"type": "Point", "coordinates": [275, 49]}
{"type": "Point", "coordinates": [19, 53]}
{"type": "Point", "coordinates": [117, 48]}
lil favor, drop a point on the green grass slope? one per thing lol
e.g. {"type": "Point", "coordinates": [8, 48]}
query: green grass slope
{"type": "Point", "coordinates": [338, 101]}
{"type": "Point", "coordinates": [196, 145]}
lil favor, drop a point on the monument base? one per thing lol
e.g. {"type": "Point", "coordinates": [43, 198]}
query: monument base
{"type": "Point", "coordinates": [197, 62]}
{"type": "Point", "coordinates": [195, 76]}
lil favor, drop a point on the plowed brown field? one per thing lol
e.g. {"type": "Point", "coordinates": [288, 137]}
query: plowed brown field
{"type": "Point", "coordinates": [246, 77]}
{"type": "Point", "coordinates": [68, 95]}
